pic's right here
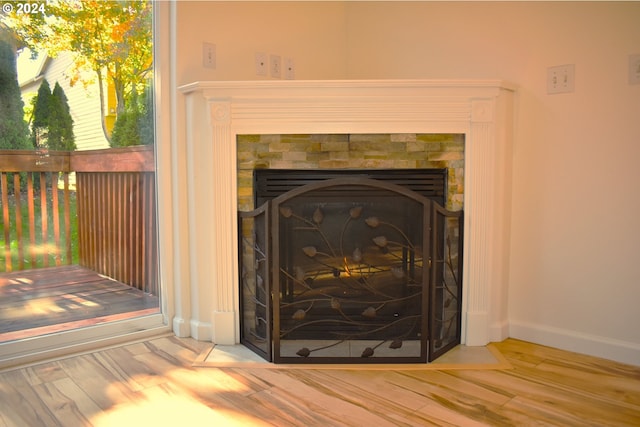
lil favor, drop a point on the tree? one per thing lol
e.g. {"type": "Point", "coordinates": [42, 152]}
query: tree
{"type": "Point", "coordinates": [41, 114]}
{"type": "Point", "coordinates": [125, 130]}
{"type": "Point", "coordinates": [135, 125]}
{"type": "Point", "coordinates": [14, 131]}
{"type": "Point", "coordinates": [52, 124]}
{"type": "Point", "coordinates": [60, 122]}
{"type": "Point", "coordinates": [111, 39]}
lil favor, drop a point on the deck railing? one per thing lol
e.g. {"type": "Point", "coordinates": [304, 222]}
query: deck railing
{"type": "Point", "coordinates": [112, 209]}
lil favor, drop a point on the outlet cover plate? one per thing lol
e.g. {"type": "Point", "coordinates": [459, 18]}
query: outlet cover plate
{"type": "Point", "coordinates": [208, 55]}
{"type": "Point", "coordinates": [275, 61]}
{"type": "Point", "coordinates": [289, 69]}
{"type": "Point", "coordinates": [262, 64]}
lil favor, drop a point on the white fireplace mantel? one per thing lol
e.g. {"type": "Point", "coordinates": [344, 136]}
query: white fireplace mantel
{"type": "Point", "coordinates": [216, 112]}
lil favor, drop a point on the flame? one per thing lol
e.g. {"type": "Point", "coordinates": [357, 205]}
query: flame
{"type": "Point", "coordinates": [346, 267]}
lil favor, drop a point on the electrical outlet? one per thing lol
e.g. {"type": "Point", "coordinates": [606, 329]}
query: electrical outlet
{"type": "Point", "coordinates": [276, 66]}
{"type": "Point", "coordinates": [261, 64]}
{"type": "Point", "coordinates": [634, 69]}
{"type": "Point", "coordinates": [289, 69]}
{"type": "Point", "coordinates": [208, 55]}
{"type": "Point", "coordinates": [561, 79]}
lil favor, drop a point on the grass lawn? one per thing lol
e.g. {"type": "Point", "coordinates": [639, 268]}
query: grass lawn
{"type": "Point", "coordinates": [41, 248]}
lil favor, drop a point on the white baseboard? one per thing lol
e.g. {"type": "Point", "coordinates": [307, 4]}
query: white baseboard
{"type": "Point", "coordinates": [200, 331]}
{"type": "Point", "coordinates": [593, 345]}
{"type": "Point", "coordinates": [476, 329]}
{"type": "Point", "coordinates": [181, 327]}
{"type": "Point", "coordinates": [224, 327]}
{"type": "Point", "coordinates": [499, 331]}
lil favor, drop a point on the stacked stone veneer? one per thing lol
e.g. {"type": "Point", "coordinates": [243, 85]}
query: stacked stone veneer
{"type": "Point", "coordinates": [361, 151]}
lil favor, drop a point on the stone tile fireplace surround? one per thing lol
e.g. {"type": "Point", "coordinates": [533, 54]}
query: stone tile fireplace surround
{"type": "Point", "coordinates": [218, 112]}
{"type": "Point", "coordinates": [342, 152]}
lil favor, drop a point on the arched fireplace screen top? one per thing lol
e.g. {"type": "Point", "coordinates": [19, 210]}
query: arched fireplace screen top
{"type": "Point", "coordinates": [350, 270]}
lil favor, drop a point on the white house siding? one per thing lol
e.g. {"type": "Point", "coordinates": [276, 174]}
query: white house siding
{"type": "Point", "coordinates": [84, 103]}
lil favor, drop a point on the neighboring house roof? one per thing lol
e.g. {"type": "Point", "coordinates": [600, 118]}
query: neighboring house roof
{"type": "Point", "coordinates": [30, 70]}
{"type": "Point", "coordinates": [84, 103]}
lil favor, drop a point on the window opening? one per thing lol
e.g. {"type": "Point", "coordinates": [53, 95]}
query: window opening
{"type": "Point", "coordinates": [77, 170]}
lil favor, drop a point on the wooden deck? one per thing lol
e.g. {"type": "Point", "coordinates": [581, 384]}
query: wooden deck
{"type": "Point", "coordinates": [47, 300]}
{"type": "Point", "coordinates": [154, 383]}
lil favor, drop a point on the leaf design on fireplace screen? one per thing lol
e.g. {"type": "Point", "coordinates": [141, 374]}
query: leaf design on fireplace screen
{"type": "Point", "coordinates": [353, 283]}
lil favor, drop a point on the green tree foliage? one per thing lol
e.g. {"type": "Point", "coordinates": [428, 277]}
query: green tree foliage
{"type": "Point", "coordinates": [52, 124]}
{"type": "Point", "coordinates": [135, 125]}
{"type": "Point", "coordinates": [14, 131]}
{"type": "Point", "coordinates": [40, 118]}
{"type": "Point", "coordinates": [147, 123]}
{"type": "Point", "coordinates": [60, 122]}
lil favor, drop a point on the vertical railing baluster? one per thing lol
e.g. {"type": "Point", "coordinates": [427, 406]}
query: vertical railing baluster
{"type": "Point", "coordinates": [6, 221]}
{"type": "Point", "coordinates": [67, 218]}
{"type": "Point", "coordinates": [143, 229]}
{"type": "Point", "coordinates": [56, 218]}
{"type": "Point", "coordinates": [18, 203]}
{"type": "Point", "coordinates": [32, 219]}
{"type": "Point", "coordinates": [44, 219]}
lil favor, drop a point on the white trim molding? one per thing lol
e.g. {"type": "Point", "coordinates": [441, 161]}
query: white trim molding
{"type": "Point", "coordinates": [578, 342]}
{"type": "Point", "coordinates": [216, 112]}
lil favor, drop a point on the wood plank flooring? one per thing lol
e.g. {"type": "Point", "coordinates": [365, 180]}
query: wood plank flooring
{"type": "Point", "coordinates": [154, 383]}
{"type": "Point", "coordinates": [46, 300]}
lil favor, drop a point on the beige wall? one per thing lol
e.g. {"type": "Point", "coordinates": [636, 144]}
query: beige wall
{"type": "Point", "coordinates": [314, 34]}
{"type": "Point", "coordinates": [575, 264]}
{"type": "Point", "coordinates": [575, 268]}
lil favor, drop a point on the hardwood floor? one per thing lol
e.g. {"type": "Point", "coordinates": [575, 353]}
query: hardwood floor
{"type": "Point", "coordinates": [53, 299]}
{"type": "Point", "coordinates": [153, 383]}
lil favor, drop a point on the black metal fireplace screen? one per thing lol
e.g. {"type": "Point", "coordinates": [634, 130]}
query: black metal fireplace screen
{"type": "Point", "coordinates": [350, 270]}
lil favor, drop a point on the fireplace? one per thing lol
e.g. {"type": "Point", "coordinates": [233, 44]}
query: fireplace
{"type": "Point", "coordinates": [207, 303]}
{"type": "Point", "coordinates": [346, 266]}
